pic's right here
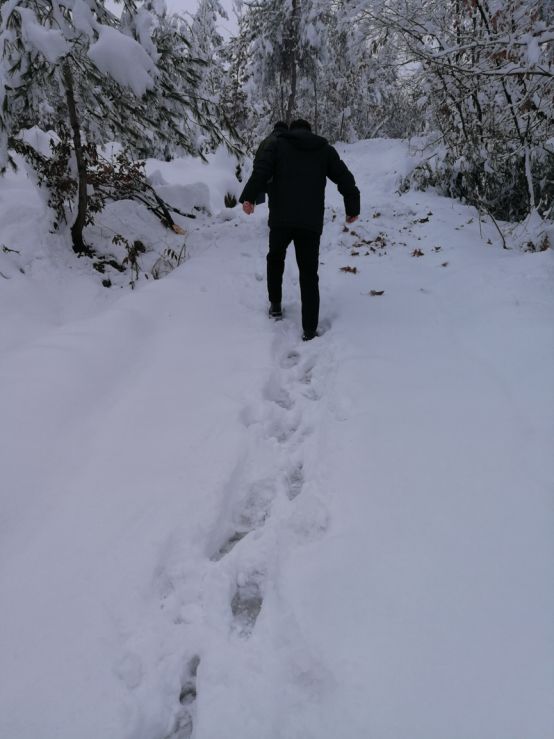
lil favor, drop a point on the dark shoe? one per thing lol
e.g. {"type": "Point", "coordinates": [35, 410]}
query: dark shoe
{"type": "Point", "coordinates": [309, 335]}
{"type": "Point", "coordinates": [275, 310]}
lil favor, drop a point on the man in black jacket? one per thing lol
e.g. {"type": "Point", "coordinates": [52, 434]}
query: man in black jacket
{"type": "Point", "coordinates": [298, 162]}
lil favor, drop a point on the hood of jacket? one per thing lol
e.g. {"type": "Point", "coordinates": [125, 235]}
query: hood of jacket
{"type": "Point", "coordinates": [305, 140]}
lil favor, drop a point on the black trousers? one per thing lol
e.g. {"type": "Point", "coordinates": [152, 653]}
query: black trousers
{"type": "Point", "coordinates": [306, 244]}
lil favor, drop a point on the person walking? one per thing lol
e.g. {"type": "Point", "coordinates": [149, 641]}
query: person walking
{"type": "Point", "coordinates": [298, 164]}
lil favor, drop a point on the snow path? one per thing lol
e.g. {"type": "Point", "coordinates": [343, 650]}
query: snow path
{"type": "Point", "coordinates": [211, 530]}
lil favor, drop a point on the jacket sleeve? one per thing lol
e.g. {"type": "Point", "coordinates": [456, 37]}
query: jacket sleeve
{"type": "Point", "coordinates": [260, 149]}
{"type": "Point", "coordinates": [338, 172]}
{"type": "Point", "coordinates": [264, 166]}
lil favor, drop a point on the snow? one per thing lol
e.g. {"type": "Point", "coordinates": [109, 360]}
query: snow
{"type": "Point", "coordinates": [206, 184]}
{"type": "Point", "coordinates": [46, 41]}
{"type": "Point", "coordinates": [144, 23]}
{"type": "Point", "coordinates": [124, 59]}
{"type": "Point", "coordinates": [186, 198]}
{"type": "Point", "coordinates": [212, 530]}
{"type": "Point", "coordinates": [533, 50]}
{"type": "Point", "coordinates": [40, 140]}
{"type": "Point", "coordinates": [83, 18]}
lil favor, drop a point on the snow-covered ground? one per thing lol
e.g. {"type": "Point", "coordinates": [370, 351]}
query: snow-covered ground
{"type": "Point", "coordinates": [212, 530]}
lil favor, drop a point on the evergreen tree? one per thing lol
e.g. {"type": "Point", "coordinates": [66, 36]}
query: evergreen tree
{"type": "Point", "coordinates": [234, 98]}
{"type": "Point", "coordinates": [359, 86]}
{"type": "Point", "coordinates": [281, 40]}
{"type": "Point", "coordinates": [78, 66]}
{"type": "Point", "coordinates": [309, 58]}
{"type": "Point", "coordinates": [206, 45]}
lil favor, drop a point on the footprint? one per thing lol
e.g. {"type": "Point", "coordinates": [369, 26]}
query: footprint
{"type": "Point", "coordinates": [256, 505]}
{"type": "Point", "coordinates": [184, 721]}
{"type": "Point", "coordinates": [309, 519]}
{"type": "Point", "coordinates": [254, 510]}
{"type": "Point", "coordinates": [324, 326]}
{"type": "Point", "coordinates": [294, 480]}
{"type": "Point", "coordinates": [306, 379]}
{"type": "Point", "coordinates": [228, 545]}
{"type": "Point", "coordinates": [246, 603]}
{"type": "Point", "coordinates": [282, 432]}
{"type": "Point", "coordinates": [187, 696]}
{"type": "Point", "coordinates": [276, 393]}
{"type": "Point", "coordinates": [290, 360]}
{"type": "Point", "coordinates": [307, 372]}
{"type": "Point", "coordinates": [311, 393]}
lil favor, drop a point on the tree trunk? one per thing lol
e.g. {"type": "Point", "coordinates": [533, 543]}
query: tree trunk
{"type": "Point", "coordinates": [292, 97]}
{"type": "Point", "coordinates": [79, 246]}
{"type": "Point", "coordinates": [293, 54]}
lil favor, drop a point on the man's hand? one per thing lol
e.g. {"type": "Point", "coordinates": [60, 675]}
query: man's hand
{"type": "Point", "coordinates": [349, 219]}
{"type": "Point", "coordinates": [248, 208]}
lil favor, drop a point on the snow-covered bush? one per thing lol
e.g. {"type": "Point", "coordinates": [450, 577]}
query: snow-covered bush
{"type": "Point", "coordinates": [486, 76]}
{"type": "Point", "coordinates": [78, 67]}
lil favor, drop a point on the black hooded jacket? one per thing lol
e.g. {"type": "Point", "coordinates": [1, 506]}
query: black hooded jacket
{"type": "Point", "coordinates": [277, 131]}
{"type": "Point", "coordinates": [299, 162]}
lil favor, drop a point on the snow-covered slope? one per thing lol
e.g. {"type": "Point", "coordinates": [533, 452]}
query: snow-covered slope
{"type": "Point", "coordinates": [212, 530]}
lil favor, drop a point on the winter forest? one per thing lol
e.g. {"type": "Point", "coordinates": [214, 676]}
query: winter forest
{"type": "Point", "coordinates": [211, 528]}
{"type": "Point", "coordinates": [474, 79]}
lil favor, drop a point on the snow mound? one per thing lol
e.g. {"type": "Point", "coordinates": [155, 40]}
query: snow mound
{"type": "Point", "coordinates": [218, 176]}
{"type": "Point", "coordinates": [186, 198]}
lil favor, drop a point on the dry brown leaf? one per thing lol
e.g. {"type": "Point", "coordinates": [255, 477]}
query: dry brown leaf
{"type": "Point", "coordinates": [375, 293]}
{"type": "Point", "coordinates": [418, 253]}
{"type": "Point", "coordinates": [177, 229]}
{"type": "Point", "coordinates": [351, 270]}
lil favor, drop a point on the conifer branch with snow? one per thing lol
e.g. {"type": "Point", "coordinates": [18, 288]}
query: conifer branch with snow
{"type": "Point", "coordinates": [131, 79]}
